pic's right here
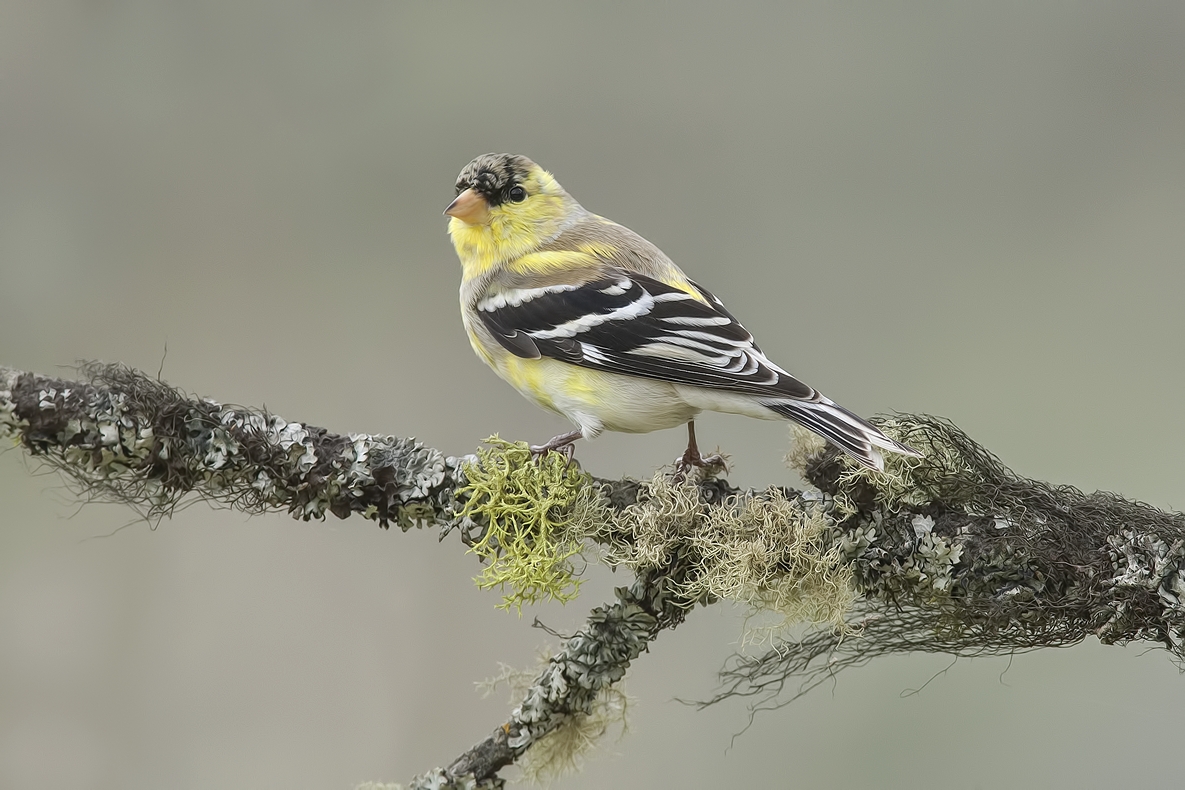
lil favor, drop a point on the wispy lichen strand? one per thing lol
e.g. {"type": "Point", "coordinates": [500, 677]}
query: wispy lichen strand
{"type": "Point", "coordinates": [764, 550]}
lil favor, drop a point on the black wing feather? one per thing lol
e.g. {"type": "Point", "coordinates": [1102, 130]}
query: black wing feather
{"type": "Point", "coordinates": [633, 324]}
{"type": "Point", "coordinates": [518, 343]}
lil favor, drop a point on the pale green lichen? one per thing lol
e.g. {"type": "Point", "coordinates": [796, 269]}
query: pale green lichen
{"type": "Point", "coordinates": [805, 446]}
{"type": "Point", "coordinates": [773, 555]}
{"type": "Point", "coordinates": [903, 484]}
{"type": "Point", "coordinates": [536, 513]}
{"type": "Point", "coordinates": [769, 553]}
{"type": "Point", "coordinates": [895, 483]}
{"type": "Point", "coordinates": [562, 751]}
{"type": "Point", "coordinates": [648, 532]}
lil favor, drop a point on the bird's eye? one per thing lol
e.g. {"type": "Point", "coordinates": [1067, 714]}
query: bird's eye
{"type": "Point", "coordinates": [517, 193]}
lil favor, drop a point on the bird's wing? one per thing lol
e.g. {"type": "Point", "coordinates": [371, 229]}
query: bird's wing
{"type": "Point", "coordinates": [629, 323]}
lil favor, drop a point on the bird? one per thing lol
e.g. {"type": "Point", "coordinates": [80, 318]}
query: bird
{"type": "Point", "coordinates": [590, 320]}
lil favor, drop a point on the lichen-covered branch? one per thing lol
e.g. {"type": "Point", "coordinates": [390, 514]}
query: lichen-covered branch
{"type": "Point", "coordinates": [575, 679]}
{"type": "Point", "coordinates": [950, 553]}
{"type": "Point", "coordinates": [957, 554]}
{"type": "Point", "coordinates": [133, 439]}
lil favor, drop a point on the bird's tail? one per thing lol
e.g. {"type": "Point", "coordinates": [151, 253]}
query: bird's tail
{"type": "Point", "coordinates": [845, 430]}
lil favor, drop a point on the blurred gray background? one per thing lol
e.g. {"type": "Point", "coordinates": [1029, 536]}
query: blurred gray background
{"type": "Point", "coordinates": [916, 207]}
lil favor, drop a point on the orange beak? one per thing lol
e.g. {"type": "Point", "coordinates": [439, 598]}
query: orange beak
{"type": "Point", "coordinates": [469, 207]}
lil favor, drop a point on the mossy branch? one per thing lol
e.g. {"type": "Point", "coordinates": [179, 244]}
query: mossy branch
{"type": "Point", "coordinates": [951, 552]}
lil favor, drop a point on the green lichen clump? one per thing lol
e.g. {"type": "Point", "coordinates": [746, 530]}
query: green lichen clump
{"type": "Point", "coordinates": [769, 553]}
{"type": "Point", "coordinates": [536, 513]}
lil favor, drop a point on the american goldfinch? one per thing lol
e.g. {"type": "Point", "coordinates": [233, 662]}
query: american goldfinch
{"type": "Point", "coordinates": [588, 319]}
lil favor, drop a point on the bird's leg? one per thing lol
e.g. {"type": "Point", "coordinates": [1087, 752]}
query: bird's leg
{"type": "Point", "coordinates": [564, 443]}
{"type": "Point", "coordinates": [691, 456]}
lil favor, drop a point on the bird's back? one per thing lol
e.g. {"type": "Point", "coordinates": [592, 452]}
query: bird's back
{"type": "Point", "coordinates": [617, 245]}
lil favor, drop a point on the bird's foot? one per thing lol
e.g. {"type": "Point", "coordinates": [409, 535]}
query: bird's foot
{"type": "Point", "coordinates": [706, 465]}
{"type": "Point", "coordinates": [565, 444]}
{"type": "Point", "coordinates": [691, 459]}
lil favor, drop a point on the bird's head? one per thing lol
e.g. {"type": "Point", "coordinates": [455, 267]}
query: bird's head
{"type": "Point", "coordinates": [506, 206]}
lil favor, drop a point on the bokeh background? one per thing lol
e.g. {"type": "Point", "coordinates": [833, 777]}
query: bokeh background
{"type": "Point", "coordinates": [978, 213]}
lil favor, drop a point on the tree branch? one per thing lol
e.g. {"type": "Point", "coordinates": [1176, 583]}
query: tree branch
{"type": "Point", "coordinates": [951, 553]}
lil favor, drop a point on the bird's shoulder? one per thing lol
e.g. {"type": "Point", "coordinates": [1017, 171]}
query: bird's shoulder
{"type": "Point", "coordinates": [600, 296]}
{"type": "Point", "coordinates": [616, 246]}
{"type": "Point", "coordinates": [591, 250]}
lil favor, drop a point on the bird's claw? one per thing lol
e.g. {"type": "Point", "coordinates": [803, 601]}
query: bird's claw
{"type": "Point", "coordinates": [691, 459]}
{"type": "Point", "coordinates": [540, 450]}
{"type": "Point", "coordinates": [564, 444]}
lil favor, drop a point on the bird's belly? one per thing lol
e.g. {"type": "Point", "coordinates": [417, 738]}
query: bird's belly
{"type": "Point", "coordinates": [708, 399]}
{"type": "Point", "coordinates": [597, 401]}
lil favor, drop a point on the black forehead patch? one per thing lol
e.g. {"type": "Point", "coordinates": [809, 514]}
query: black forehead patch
{"type": "Point", "coordinates": [492, 175]}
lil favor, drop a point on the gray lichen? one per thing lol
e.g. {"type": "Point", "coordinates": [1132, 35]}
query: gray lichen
{"type": "Point", "coordinates": [124, 437]}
